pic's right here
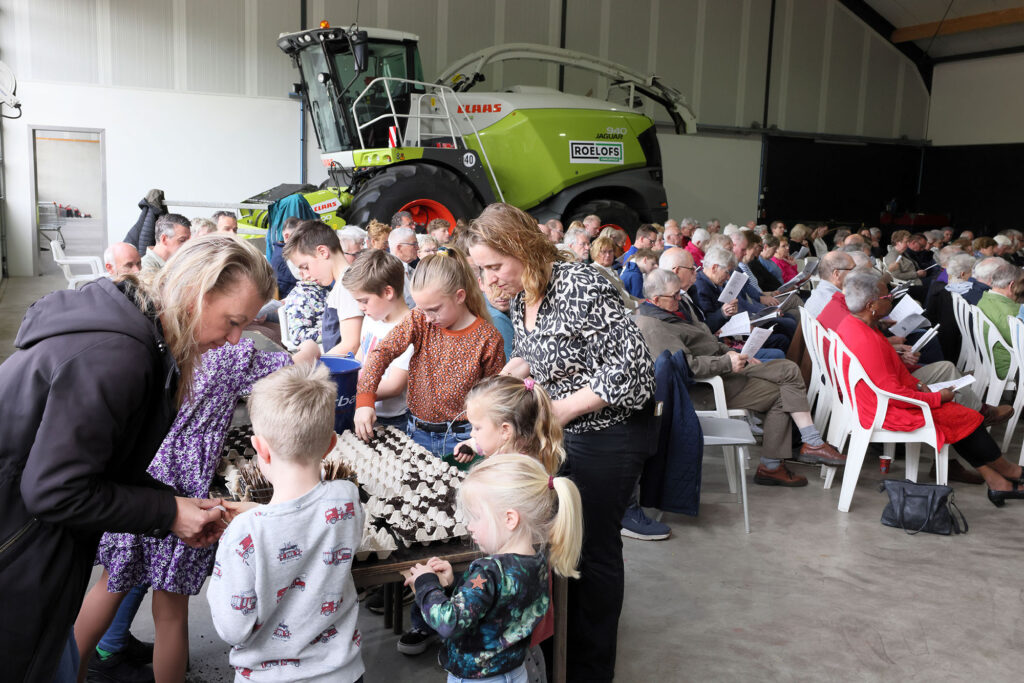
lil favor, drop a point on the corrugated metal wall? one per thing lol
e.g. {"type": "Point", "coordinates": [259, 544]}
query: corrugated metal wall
{"type": "Point", "coordinates": [830, 72]}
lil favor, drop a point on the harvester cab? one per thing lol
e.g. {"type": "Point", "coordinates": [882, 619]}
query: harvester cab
{"type": "Point", "coordinates": [392, 141]}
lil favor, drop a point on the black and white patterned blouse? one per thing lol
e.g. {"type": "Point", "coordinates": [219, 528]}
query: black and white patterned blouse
{"type": "Point", "coordinates": [582, 338]}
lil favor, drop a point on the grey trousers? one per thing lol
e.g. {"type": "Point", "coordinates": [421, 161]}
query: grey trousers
{"type": "Point", "coordinates": [775, 389]}
{"type": "Point", "coordinates": [944, 371]}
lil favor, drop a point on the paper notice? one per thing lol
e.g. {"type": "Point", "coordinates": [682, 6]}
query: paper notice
{"type": "Point", "coordinates": [737, 325]}
{"type": "Point", "coordinates": [925, 338]}
{"type": "Point", "coordinates": [756, 340]}
{"type": "Point", "coordinates": [955, 384]}
{"type": "Point", "coordinates": [909, 324]}
{"type": "Point", "coordinates": [906, 306]}
{"type": "Point", "coordinates": [733, 287]}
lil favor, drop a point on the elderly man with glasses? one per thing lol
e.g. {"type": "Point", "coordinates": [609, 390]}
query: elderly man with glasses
{"type": "Point", "coordinates": [775, 389]}
{"type": "Point", "coordinates": [402, 243]}
{"type": "Point", "coordinates": [832, 270]}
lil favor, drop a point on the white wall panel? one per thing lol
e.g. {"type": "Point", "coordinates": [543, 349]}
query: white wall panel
{"type": "Point", "coordinates": [141, 43]}
{"type": "Point", "coordinates": [470, 28]}
{"type": "Point", "coordinates": [720, 64]}
{"type": "Point", "coordinates": [675, 53]}
{"type": "Point", "coordinates": [63, 40]}
{"type": "Point", "coordinates": [880, 98]}
{"type": "Point", "coordinates": [215, 54]}
{"type": "Point", "coordinates": [711, 177]}
{"type": "Point", "coordinates": [528, 21]}
{"type": "Point", "coordinates": [978, 102]}
{"type": "Point", "coordinates": [752, 107]}
{"type": "Point", "coordinates": [915, 105]}
{"type": "Point", "coordinates": [583, 32]}
{"type": "Point", "coordinates": [845, 67]}
{"type": "Point", "coordinates": [801, 83]}
{"type": "Point", "coordinates": [153, 140]}
{"type": "Point", "coordinates": [274, 71]}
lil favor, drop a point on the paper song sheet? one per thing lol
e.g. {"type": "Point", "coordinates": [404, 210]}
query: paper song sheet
{"type": "Point", "coordinates": [955, 384]}
{"type": "Point", "coordinates": [733, 287]}
{"type": "Point", "coordinates": [737, 325]}
{"type": "Point", "coordinates": [756, 340]}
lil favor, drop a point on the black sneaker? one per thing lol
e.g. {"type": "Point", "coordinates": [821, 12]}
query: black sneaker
{"type": "Point", "coordinates": [415, 641]}
{"type": "Point", "coordinates": [138, 652]}
{"type": "Point", "coordinates": [117, 668]}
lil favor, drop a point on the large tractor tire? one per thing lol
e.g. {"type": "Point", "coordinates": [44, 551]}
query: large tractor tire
{"type": "Point", "coordinates": [611, 212]}
{"type": "Point", "coordinates": [425, 191]}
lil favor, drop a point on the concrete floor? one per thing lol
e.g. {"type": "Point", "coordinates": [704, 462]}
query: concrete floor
{"type": "Point", "coordinates": [811, 594]}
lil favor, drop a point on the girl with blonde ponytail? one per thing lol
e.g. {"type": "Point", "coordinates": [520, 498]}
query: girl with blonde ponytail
{"type": "Point", "coordinates": [525, 520]}
{"type": "Point", "coordinates": [510, 415]}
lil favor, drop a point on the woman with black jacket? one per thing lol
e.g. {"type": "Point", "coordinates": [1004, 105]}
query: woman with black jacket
{"type": "Point", "coordinates": [85, 403]}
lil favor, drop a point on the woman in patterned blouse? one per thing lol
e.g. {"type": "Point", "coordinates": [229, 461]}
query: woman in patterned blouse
{"type": "Point", "coordinates": [573, 336]}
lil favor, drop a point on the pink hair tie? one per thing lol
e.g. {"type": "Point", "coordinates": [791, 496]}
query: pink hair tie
{"type": "Point", "coordinates": [551, 483]}
{"type": "Point", "coordinates": [529, 383]}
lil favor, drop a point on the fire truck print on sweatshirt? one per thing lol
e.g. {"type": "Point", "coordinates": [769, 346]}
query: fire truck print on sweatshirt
{"type": "Point", "coordinates": [281, 593]}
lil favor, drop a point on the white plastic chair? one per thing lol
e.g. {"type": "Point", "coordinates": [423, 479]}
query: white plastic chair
{"type": "Point", "coordinates": [733, 436]}
{"type": "Point", "coordinates": [860, 437]}
{"type": "Point", "coordinates": [1017, 337]}
{"type": "Point", "coordinates": [65, 262]}
{"type": "Point", "coordinates": [722, 411]}
{"type": "Point", "coordinates": [991, 339]}
{"type": "Point", "coordinates": [964, 322]}
{"type": "Point", "coordinates": [814, 387]}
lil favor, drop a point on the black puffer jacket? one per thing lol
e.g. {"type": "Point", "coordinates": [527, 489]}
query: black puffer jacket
{"type": "Point", "coordinates": [84, 404]}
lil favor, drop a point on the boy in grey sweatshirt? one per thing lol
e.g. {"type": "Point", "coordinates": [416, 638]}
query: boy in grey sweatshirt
{"type": "Point", "coordinates": [281, 593]}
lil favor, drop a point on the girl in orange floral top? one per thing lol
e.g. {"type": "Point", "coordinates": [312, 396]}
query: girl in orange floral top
{"type": "Point", "coordinates": [455, 347]}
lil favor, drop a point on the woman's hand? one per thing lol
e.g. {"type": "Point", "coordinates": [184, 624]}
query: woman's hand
{"type": "Point", "coordinates": [730, 309]}
{"type": "Point", "coordinates": [517, 367]}
{"type": "Point", "coordinates": [947, 395]}
{"type": "Point", "coordinates": [443, 569]}
{"type": "Point", "coordinates": [308, 352]}
{"type": "Point", "coordinates": [197, 523]}
{"type": "Point", "coordinates": [232, 509]}
{"type": "Point", "coordinates": [363, 422]}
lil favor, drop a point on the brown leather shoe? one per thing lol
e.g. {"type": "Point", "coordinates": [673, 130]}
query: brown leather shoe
{"type": "Point", "coordinates": [995, 415]}
{"type": "Point", "coordinates": [958, 472]}
{"type": "Point", "coordinates": [824, 454]}
{"type": "Point", "coordinates": [778, 477]}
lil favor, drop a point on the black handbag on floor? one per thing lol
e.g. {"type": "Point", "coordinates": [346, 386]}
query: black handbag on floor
{"type": "Point", "coordinates": [917, 507]}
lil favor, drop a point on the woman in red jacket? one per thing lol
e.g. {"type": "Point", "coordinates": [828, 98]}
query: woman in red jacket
{"type": "Point", "coordinates": [868, 300]}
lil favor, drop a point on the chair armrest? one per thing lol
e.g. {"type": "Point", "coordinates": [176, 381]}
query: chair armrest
{"type": "Point", "coordinates": [718, 390]}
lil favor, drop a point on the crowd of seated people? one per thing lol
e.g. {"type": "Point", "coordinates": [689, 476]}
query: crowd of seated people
{"type": "Point", "coordinates": [661, 288]}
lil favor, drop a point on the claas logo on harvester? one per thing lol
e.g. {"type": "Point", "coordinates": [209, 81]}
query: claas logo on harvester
{"type": "Point", "coordinates": [480, 109]}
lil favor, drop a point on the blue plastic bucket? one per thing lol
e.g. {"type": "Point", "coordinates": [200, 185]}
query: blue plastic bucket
{"type": "Point", "coordinates": [345, 373]}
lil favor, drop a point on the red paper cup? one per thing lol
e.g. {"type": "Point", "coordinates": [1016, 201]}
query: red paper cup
{"type": "Point", "coordinates": [884, 464]}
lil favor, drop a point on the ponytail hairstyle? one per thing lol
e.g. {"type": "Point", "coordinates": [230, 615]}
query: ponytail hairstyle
{"type": "Point", "coordinates": [449, 271]}
{"type": "Point", "coordinates": [527, 408]}
{"type": "Point", "coordinates": [178, 292]}
{"type": "Point", "coordinates": [549, 507]}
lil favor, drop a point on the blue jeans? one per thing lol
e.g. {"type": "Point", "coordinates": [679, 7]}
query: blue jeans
{"type": "Point", "coordinates": [117, 633]}
{"type": "Point", "coordinates": [516, 675]}
{"type": "Point", "coordinates": [766, 354]}
{"type": "Point", "coordinates": [439, 443]}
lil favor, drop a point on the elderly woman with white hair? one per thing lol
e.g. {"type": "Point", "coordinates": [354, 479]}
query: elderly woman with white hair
{"type": "Point", "coordinates": [868, 300]}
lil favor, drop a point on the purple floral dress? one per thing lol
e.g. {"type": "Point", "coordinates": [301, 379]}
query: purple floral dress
{"type": "Point", "coordinates": [187, 461]}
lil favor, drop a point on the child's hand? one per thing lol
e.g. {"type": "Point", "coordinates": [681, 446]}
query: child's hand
{"type": "Point", "coordinates": [460, 454]}
{"type": "Point", "coordinates": [364, 419]}
{"type": "Point", "coordinates": [232, 509]}
{"type": "Point", "coordinates": [308, 352]}
{"type": "Point", "coordinates": [443, 569]}
{"type": "Point", "coordinates": [415, 572]}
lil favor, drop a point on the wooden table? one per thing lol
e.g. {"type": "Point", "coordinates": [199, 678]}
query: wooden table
{"type": "Point", "coordinates": [388, 573]}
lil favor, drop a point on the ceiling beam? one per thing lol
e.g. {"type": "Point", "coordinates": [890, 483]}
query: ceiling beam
{"type": "Point", "coordinates": [973, 22]}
